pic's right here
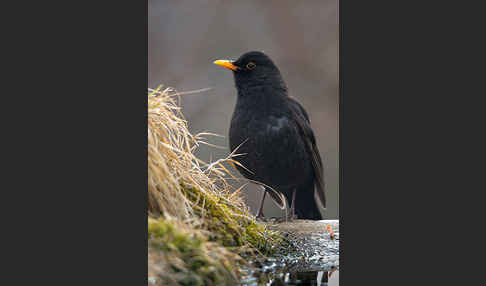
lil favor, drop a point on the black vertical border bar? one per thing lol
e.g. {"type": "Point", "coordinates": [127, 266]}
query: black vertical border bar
{"type": "Point", "coordinates": [341, 121]}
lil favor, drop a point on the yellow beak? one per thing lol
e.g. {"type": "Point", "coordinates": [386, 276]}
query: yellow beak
{"type": "Point", "coordinates": [227, 64]}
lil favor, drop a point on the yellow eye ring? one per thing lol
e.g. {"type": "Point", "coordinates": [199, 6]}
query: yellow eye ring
{"type": "Point", "coordinates": [250, 65]}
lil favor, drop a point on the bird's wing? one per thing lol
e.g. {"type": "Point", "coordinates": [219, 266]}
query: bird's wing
{"type": "Point", "coordinates": [303, 123]}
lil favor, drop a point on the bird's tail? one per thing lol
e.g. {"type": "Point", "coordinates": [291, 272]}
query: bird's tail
{"type": "Point", "coordinates": [306, 206]}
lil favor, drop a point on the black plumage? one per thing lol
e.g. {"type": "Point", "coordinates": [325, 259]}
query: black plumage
{"type": "Point", "coordinates": [272, 131]}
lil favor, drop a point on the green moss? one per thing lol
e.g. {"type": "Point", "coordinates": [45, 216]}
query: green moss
{"type": "Point", "coordinates": [225, 225]}
{"type": "Point", "coordinates": [228, 224]}
{"type": "Point", "coordinates": [202, 265]}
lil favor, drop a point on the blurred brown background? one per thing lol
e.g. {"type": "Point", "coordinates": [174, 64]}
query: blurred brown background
{"type": "Point", "coordinates": [301, 37]}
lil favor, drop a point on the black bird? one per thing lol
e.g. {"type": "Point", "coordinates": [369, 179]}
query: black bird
{"type": "Point", "coordinates": [273, 132]}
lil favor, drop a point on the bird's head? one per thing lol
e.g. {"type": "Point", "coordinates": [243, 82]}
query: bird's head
{"type": "Point", "coordinates": [254, 69]}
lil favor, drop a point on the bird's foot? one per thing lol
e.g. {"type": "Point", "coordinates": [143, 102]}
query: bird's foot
{"type": "Point", "coordinates": [286, 218]}
{"type": "Point", "coordinates": [292, 217]}
{"type": "Point", "coordinates": [261, 218]}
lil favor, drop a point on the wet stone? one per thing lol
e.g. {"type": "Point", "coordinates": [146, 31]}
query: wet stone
{"type": "Point", "coordinates": [310, 255]}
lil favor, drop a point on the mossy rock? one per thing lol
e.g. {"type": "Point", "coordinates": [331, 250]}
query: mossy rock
{"type": "Point", "coordinates": [186, 257]}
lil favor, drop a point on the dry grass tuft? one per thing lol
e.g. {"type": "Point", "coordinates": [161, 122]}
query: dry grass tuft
{"type": "Point", "coordinates": [193, 197]}
{"type": "Point", "coordinates": [173, 168]}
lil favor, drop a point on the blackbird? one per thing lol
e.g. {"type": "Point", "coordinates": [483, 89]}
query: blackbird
{"type": "Point", "coordinates": [272, 132]}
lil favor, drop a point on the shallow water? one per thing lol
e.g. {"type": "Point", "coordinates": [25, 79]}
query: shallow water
{"type": "Point", "coordinates": [279, 272]}
{"type": "Point", "coordinates": [318, 278]}
{"type": "Point", "coordinates": [315, 256]}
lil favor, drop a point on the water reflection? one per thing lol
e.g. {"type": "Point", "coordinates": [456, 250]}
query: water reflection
{"type": "Point", "coordinates": [318, 278]}
{"type": "Point", "coordinates": [314, 278]}
{"type": "Point", "coordinates": [314, 260]}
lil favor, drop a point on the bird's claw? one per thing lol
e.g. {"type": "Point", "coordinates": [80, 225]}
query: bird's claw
{"type": "Point", "coordinates": [261, 218]}
{"type": "Point", "coordinates": [287, 218]}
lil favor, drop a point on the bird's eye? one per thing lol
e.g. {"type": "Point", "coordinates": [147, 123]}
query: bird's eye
{"type": "Point", "coordinates": [250, 65]}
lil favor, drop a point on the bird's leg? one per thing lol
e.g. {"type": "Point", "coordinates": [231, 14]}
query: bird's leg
{"type": "Point", "coordinates": [260, 214]}
{"type": "Point", "coordinates": [292, 206]}
{"type": "Point", "coordinates": [290, 216]}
